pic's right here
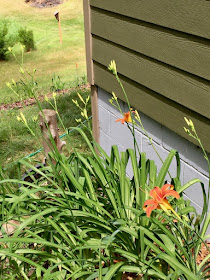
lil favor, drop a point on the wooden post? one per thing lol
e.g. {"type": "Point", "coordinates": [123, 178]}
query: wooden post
{"type": "Point", "coordinates": [88, 41]}
{"type": "Point", "coordinates": [90, 70]}
{"type": "Point", "coordinates": [57, 16]}
{"type": "Point", "coordinates": [94, 109]}
{"type": "Point", "coordinates": [48, 124]}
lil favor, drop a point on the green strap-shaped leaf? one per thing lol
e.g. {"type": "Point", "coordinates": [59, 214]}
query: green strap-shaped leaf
{"type": "Point", "coordinates": [173, 262]}
{"type": "Point", "coordinates": [113, 270]}
{"type": "Point", "coordinates": [164, 169]}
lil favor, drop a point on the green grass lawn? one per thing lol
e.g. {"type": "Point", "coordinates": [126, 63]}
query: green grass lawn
{"type": "Point", "coordinates": [17, 142]}
{"type": "Point", "coordinates": [50, 57]}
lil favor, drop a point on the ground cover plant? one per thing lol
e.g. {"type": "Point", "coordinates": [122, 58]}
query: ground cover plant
{"type": "Point", "coordinates": [84, 218]}
{"type": "Point", "coordinates": [50, 57]}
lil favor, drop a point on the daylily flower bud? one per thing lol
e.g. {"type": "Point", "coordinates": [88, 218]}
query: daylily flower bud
{"type": "Point", "coordinates": [187, 130]}
{"type": "Point", "coordinates": [80, 97]}
{"type": "Point", "coordinates": [85, 113]}
{"type": "Point", "coordinates": [35, 118]}
{"type": "Point", "coordinates": [22, 47]}
{"type": "Point", "coordinates": [23, 117]}
{"type": "Point", "coordinates": [75, 102]}
{"type": "Point", "coordinates": [87, 99]}
{"type": "Point", "coordinates": [114, 96]}
{"type": "Point", "coordinates": [21, 70]}
{"type": "Point", "coordinates": [112, 67]}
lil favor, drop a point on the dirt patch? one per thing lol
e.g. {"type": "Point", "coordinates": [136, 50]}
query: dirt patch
{"type": "Point", "coordinates": [44, 3]}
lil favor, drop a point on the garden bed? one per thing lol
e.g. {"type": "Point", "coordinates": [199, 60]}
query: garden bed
{"type": "Point", "coordinates": [44, 3]}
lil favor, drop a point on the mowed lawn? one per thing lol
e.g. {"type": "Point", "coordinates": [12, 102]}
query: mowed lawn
{"type": "Point", "coordinates": [50, 58]}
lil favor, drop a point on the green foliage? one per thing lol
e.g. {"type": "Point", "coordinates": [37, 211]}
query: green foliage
{"type": "Point", "coordinates": [3, 41]}
{"type": "Point", "coordinates": [26, 38]}
{"type": "Point", "coordinates": [57, 83]}
{"type": "Point", "coordinates": [26, 86]}
{"type": "Point", "coordinates": [83, 217]}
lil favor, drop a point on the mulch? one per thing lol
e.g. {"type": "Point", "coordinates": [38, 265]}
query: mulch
{"type": "Point", "coordinates": [43, 3]}
{"type": "Point", "coordinates": [32, 100]}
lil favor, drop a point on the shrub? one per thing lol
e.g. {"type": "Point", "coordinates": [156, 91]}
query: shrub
{"type": "Point", "coordinates": [26, 38]}
{"type": "Point", "coordinates": [3, 42]}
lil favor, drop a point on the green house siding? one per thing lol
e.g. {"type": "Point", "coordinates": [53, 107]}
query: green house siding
{"type": "Point", "coordinates": [162, 51]}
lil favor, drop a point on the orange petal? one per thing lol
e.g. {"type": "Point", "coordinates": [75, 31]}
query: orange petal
{"type": "Point", "coordinates": [172, 193]}
{"type": "Point", "coordinates": [120, 120]}
{"type": "Point", "coordinates": [149, 202]}
{"type": "Point", "coordinates": [156, 193]}
{"type": "Point", "coordinates": [150, 209]}
{"type": "Point", "coordinates": [167, 187]}
{"type": "Point", "coordinates": [166, 204]}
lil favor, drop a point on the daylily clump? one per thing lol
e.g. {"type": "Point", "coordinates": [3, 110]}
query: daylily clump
{"type": "Point", "coordinates": [159, 200]}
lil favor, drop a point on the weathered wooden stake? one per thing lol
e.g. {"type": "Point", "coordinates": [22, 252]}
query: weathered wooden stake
{"type": "Point", "coordinates": [57, 16]}
{"type": "Point", "coordinates": [48, 124]}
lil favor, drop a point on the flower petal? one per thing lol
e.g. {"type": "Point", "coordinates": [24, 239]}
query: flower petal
{"type": "Point", "coordinates": [150, 209]}
{"type": "Point", "coordinates": [167, 187]}
{"type": "Point", "coordinates": [171, 193]}
{"type": "Point", "coordinates": [120, 120]}
{"type": "Point", "coordinates": [156, 193]}
{"type": "Point", "coordinates": [165, 204]}
{"type": "Point", "coordinates": [149, 202]}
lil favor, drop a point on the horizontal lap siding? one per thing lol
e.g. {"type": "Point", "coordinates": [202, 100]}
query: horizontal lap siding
{"type": "Point", "coordinates": [159, 77]}
{"type": "Point", "coordinates": [180, 50]}
{"type": "Point", "coordinates": [190, 16]}
{"type": "Point", "coordinates": [157, 107]}
{"type": "Point", "coordinates": [169, 68]}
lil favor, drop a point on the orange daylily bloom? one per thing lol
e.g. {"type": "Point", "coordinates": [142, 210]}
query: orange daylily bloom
{"type": "Point", "coordinates": [159, 200]}
{"type": "Point", "coordinates": [127, 118]}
